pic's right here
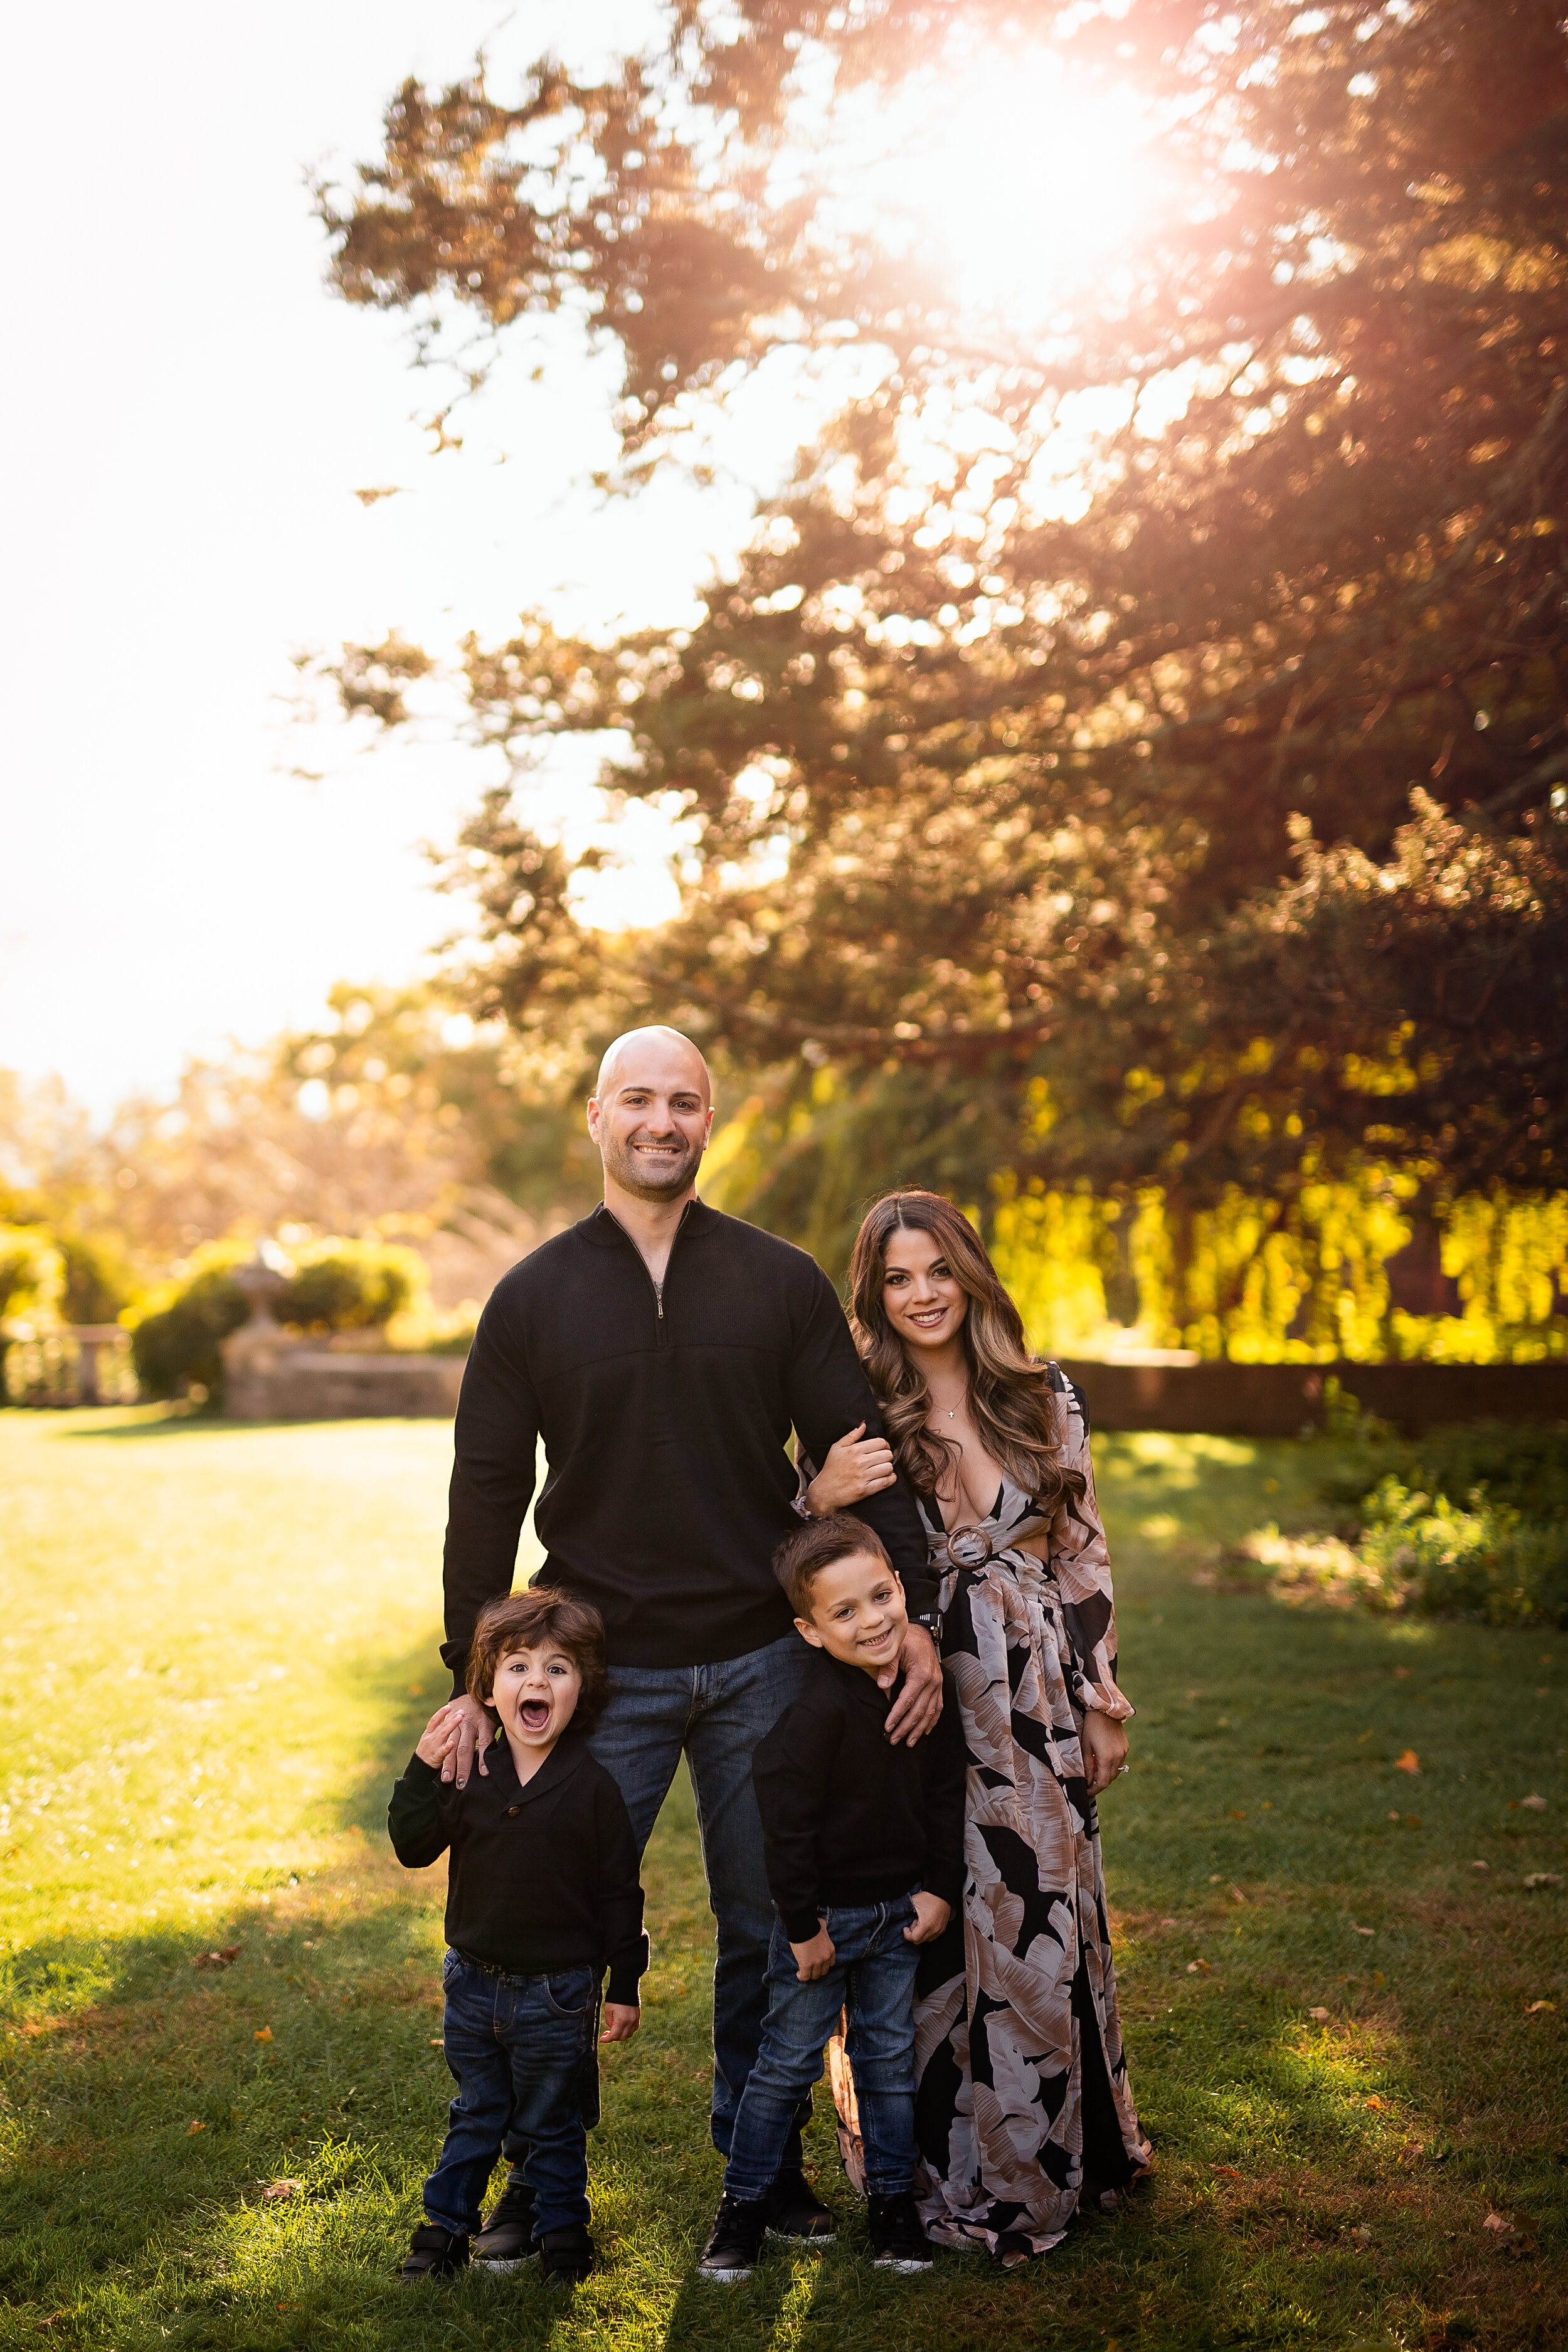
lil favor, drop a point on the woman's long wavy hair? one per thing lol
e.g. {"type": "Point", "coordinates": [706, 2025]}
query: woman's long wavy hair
{"type": "Point", "coordinates": [1014, 1407]}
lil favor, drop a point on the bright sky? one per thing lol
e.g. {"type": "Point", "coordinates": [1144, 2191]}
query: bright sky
{"type": "Point", "coordinates": [186, 415]}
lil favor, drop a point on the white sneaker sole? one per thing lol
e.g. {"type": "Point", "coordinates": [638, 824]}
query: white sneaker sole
{"type": "Point", "coordinates": [501, 2265]}
{"type": "Point", "coordinates": [793, 2237]}
{"type": "Point", "coordinates": [724, 2278]}
{"type": "Point", "coordinates": [907, 2265]}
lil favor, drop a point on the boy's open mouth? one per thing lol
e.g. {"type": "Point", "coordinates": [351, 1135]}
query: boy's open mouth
{"type": "Point", "coordinates": [534, 1713]}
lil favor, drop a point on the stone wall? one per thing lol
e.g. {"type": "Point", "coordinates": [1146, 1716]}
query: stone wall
{"type": "Point", "coordinates": [270, 1376]}
{"type": "Point", "coordinates": [1281, 1400]}
{"type": "Point", "coordinates": [323, 1384]}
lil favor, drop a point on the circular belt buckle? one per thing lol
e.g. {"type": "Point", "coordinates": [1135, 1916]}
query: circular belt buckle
{"type": "Point", "coordinates": [969, 1548]}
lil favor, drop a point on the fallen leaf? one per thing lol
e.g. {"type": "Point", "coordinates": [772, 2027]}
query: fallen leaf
{"type": "Point", "coordinates": [1194, 1967]}
{"type": "Point", "coordinates": [1537, 2005]}
{"type": "Point", "coordinates": [1408, 1762]}
{"type": "Point", "coordinates": [1229, 2170]}
{"type": "Point", "coordinates": [1376, 2101]}
{"type": "Point", "coordinates": [1533, 1804]}
{"type": "Point", "coordinates": [262, 2034]}
{"type": "Point", "coordinates": [1402, 1673]}
{"type": "Point", "coordinates": [1394, 1817]}
{"type": "Point", "coordinates": [1238, 1813]}
{"type": "Point", "coordinates": [1364, 1931]}
{"type": "Point", "coordinates": [1412, 1820]}
{"type": "Point", "coordinates": [437, 2042]}
{"type": "Point", "coordinates": [1543, 1878]}
{"type": "Point", "coordinates": [1364, 2232]}
{"type": "Point", "coordinates": [276, 2188]}
{"type": "Point", "coordinates": [195, 2124]}
{"type": "Point", "coordinates": [223, 1959]}
{"type": "Point", "coordinates": [1167, 1923]}
{"type": "Point", "coordinates": [1501, 2228]}
{"type": "Point", "coordinates": [1238, 1895]}
{"type": "Point", "coordinates": [1480, 1865]}
{"type": "Point", "coordinates": [1318, 2013]}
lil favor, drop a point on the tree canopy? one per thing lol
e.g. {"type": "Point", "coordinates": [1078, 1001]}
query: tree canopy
{"type": "Point", "coordinates": [1190, 812]}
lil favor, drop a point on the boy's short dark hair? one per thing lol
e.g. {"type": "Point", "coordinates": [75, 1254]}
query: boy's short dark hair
{"type": "Point", "coordinates": [523, 1621]}
{"type": "Point", "coordinates": [815, 1545]}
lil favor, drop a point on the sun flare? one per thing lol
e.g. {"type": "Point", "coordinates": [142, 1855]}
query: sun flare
{"type": "Point", "coordinates": [1019, 183]}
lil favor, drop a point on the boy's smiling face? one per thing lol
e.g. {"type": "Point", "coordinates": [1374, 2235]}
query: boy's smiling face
{"type": "Point", "coordinates": [535, 1696]}
{"type": "Point", "coordinates": [857, 1612]}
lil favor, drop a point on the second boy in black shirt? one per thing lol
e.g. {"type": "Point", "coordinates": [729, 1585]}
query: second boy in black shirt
{"type": "Point", "coordinates": [864, 1843]}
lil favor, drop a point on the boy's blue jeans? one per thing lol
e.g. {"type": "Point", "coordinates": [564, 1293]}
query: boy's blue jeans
{"type": "Point", "coordinates": [522, 2052]}
{"type": "Point", "coordinates": [873, 1978]}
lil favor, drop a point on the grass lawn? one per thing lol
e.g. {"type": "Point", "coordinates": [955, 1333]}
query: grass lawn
{"type": "Point", "coordinates": [1346, 2038]}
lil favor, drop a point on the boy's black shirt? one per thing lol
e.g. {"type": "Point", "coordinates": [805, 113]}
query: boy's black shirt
{"type": "Point", "coordinates": [847, 1816]}
{"type": "Point", "coordinates": [664, 1419]}
{"type": "Point", "coordinates": [542, 1877]}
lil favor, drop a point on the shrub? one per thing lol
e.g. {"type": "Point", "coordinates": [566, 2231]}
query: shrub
{"type": "Point", "coordinates": [98, 1281]}
{"type": "Point", "coordinates": [1469, 1522]}
{"type": "Point", "coordinates": [349, 1286]}
{"type": "Point", "coordinates": [176, 1340]}
{"type": "Point", "coordinates": [1484, 1560]}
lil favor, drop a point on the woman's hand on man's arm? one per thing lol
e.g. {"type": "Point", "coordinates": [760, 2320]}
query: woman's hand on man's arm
{"type": "Point", "coordinates": [857, 1466]}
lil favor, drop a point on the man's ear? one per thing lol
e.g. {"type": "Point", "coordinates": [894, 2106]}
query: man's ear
{"type": "Point", "coordinates": [808, 1632]}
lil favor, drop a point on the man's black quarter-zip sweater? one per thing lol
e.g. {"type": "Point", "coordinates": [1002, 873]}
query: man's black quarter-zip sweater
{"type": "Point", "coordinates": [664, 1415]}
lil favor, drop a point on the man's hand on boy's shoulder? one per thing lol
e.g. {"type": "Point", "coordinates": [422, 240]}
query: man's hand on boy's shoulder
{"type": "Point", "coordinates": [931, 1916]}
{"type": "Point", "coordinates": [471, 1731]}
{"type": "Point", "coordinates": [438, 1740]}
{"type": "Point", "coordinates": [622, 2019]}
{"type": "Point", "coordinates": [917, 1708]}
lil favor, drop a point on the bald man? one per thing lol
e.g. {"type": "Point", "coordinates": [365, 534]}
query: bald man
{"type": "Point", "coordinates": [665, 1353]}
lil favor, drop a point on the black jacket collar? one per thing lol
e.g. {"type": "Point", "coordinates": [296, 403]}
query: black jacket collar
{"type": "Point", "coordinates": [605, 1228]}
{"type": "Point", "coordinates": [569, 1753]}
{"type": "Point", "coordinates": [854, 1684]}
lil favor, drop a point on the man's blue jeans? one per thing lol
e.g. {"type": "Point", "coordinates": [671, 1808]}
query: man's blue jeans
{"type": "Point", "coordinates": [715, 1716]}
{"type": "Point", "coordinates": [521, 2050]}
{"type": "Point", "coordinates": [873, 1978]}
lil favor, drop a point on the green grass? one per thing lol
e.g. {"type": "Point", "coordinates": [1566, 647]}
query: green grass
{"type": "Point", "coordinates": [218, 1645]}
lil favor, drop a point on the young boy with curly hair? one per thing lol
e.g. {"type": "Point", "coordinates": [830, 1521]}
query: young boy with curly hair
{"type": "Point", "coordinates": [542, 1896]}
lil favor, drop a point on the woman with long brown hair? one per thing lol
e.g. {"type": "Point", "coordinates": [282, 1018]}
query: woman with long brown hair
{"type": "Point", "coordinates": [1024, 2109]}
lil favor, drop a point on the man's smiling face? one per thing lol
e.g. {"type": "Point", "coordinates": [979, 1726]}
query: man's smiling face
{"type": "Point", "coordinates": [652, 1114]}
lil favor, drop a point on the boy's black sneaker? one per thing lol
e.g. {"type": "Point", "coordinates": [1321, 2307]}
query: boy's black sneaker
{"type": "Point", "coordinates": [566, 2256]}
{"type": "Point", "coordinates": [433, 2252]}
{"type": "Point", "coordinates": [898, 2242]}
{"type": "Point", "coordinates": [507, 2240]}
{"type": "Point", "coordinates": [798, 2213]}
{"type": "Point", "coordinates": [736, 2239]}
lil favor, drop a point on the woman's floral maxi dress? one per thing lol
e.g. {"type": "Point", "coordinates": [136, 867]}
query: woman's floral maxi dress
{"type": "Point", "coordinates": [1022, 2085]}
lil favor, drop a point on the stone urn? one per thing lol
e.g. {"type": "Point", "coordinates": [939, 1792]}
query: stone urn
{"type": "Point", "coordinates": [251, 1355]}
